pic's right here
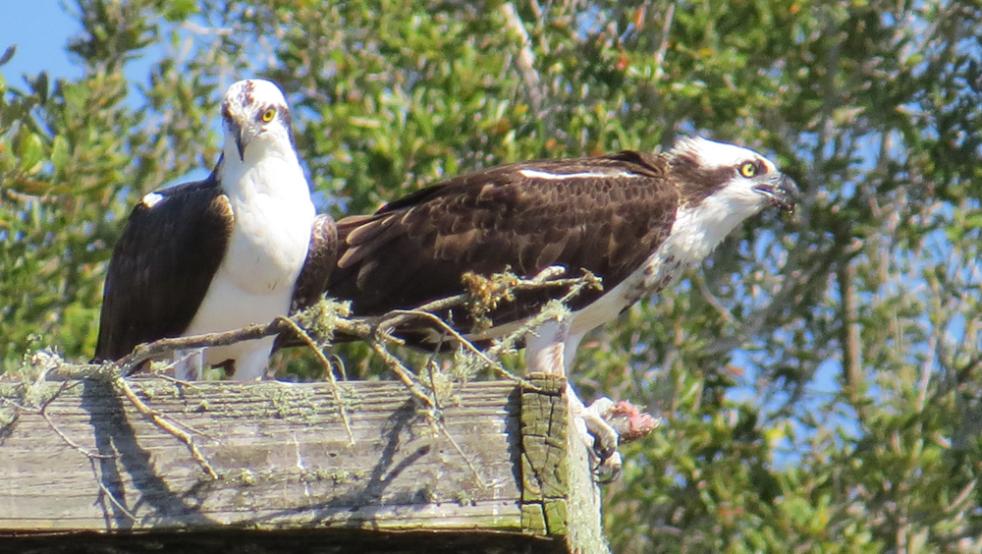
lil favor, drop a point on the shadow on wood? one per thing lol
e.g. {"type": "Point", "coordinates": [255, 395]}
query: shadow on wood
{"type": "Point", "coordinates": [289, 475]}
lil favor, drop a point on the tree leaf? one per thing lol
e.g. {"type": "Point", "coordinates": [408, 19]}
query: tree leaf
{"type": "Point", "coordinates": [7, 54]}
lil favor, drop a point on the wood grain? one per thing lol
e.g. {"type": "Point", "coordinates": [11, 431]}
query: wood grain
{"type": "Point", "coordinates": [285, 464]}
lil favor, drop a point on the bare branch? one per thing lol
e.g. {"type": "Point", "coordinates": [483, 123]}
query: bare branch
{"type": "Point", "coordinates": [466, 344]}
{"type": "Point", "coordinates": [85, 451]}
{"type": "Point", "coordinates": [377, 331]}
{"type": "Point", "coordinates": [145, 351]}
{"type": "Point", "coordinates": [850, 339]}
{"type": "Point", "coordinates": [711, 298]}
{"type": "Point", "coordinates": [403, 373]}
{"type": "Point", "coordinates": [123, 386]}
{"type": "Point", "coordinates": [526, 58]}
{"type": "Point", "coordinates": [42, 411]}
{"type": "Point", "coordinates": [663, 45]}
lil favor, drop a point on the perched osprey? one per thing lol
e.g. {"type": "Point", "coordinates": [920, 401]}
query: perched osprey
{"type": "Point", "coordinates": [225, 252]}
{"type": "Point", "coordinates": [635, 220]}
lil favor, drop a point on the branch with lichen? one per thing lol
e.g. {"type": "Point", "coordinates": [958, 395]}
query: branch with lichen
{"type": "Point", "coordinates": [481, 297]}
{"type": "Point", "coordinates": [318, 325]}
{"type": "Point", "coordinates": [328, 318]}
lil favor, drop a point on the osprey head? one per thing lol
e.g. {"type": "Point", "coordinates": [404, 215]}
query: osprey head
{"type": "Point", "coordinates": [740, 180]}
{"type": "Point", "coordinates": [255, 117]}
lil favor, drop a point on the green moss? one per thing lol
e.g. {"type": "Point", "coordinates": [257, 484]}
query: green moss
{"type": "Point", "coordinates": [557, 517]}
{"type": "Point", "coordinates": [7, 417]}
{"type": "Point", "coordinates": [320, 319]}
{"type": "Point", "coordinates": [11, 390]}
{"type": "Point", "coordinates": [464, 498]}
{"type": "Point", "coordinates": [246, 477]}
{"type": "Point", "coordinates": [533, 519]}
{"type": "Point", "coordinates": [288, 401]}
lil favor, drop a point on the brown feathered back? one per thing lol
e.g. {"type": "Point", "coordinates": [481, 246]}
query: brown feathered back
{"type": "Point", "coordinates": [148, 293]}
{"type": "Point", "coordinates": [604, 214]}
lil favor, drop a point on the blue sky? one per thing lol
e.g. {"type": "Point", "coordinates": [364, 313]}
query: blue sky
{"type": "Point", "coordinates": [40, 29]}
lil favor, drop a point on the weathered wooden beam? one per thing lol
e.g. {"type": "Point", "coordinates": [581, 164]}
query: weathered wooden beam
{"type": "Point", "coordinates": [92, 464]}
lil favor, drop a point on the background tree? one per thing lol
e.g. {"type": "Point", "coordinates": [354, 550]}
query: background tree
{"type": "Point", "coordinates": [821, 378]}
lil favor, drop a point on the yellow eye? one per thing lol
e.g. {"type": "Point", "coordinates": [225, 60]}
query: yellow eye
{"type": "Point", "coordinates": [268, 115]}
{"type": "Point", "coordinates": [748, 169]}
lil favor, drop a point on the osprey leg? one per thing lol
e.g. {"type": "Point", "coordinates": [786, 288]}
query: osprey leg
{"type": "Point", "coordinates": [551, 349]}
{"type": "Point", "coordinates": [189, 365]}
{"type": "Point", "coordinates": [253, 360]}
{"type": "Point", "coordinates": [601, 438]}
{"type": "Point", "coordinates": [545, 348]}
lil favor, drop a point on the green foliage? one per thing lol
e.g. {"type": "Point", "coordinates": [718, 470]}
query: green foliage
{"type": "Point", "coordinates": [819, 377]}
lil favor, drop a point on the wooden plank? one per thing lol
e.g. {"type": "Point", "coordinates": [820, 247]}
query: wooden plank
{"type": "Point", "coordinates": [286, 464]}
{"type": "Point", "coordinates": [559, 494]}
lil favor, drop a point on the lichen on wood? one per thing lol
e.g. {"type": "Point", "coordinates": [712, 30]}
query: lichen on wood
{"type": "Point", "coordinates": [282, 470]}
{"type": "Point", "coordinates": [450, 455]}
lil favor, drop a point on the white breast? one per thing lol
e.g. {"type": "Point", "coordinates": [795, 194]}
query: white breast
{"type": "Point", "coordinates": [657, 272]}
{"type": "Point", "coordinates": [273, 214]}
{"type": "Point", "coordinates": [695, 232]}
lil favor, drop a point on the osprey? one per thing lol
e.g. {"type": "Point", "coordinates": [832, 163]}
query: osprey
{"type": "Point", "coordinates": [635, 220]}
{"type": "Point", "coordinates": [218, 254]}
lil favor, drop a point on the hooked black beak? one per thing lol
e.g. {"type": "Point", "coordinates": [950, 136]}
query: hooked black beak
{"type": "Point", "coordinates": [781, 191]}
{"type": "Point", "coordinates": [232, 126]}
{"type": "Point", "coordinates": [238, 142]}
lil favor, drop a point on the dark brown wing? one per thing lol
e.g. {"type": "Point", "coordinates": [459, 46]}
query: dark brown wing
{"type": "Point", "coordinates": [604, 214]}
{"type": "Point", "coordinates": [322, 254]}
{"type": "Point", "coordinates": [162, 266]}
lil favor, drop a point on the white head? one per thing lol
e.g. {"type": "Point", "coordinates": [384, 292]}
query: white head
{"type": "Point", "coordinates": [256, 121]}
{"type": "Point", "coordinates": [738, 178]}
{"type": "Point", "coordinates": [720, 185]}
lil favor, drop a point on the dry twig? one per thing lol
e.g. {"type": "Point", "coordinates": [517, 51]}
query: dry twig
{"type": "Point", "coordinates": [123, 386]}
